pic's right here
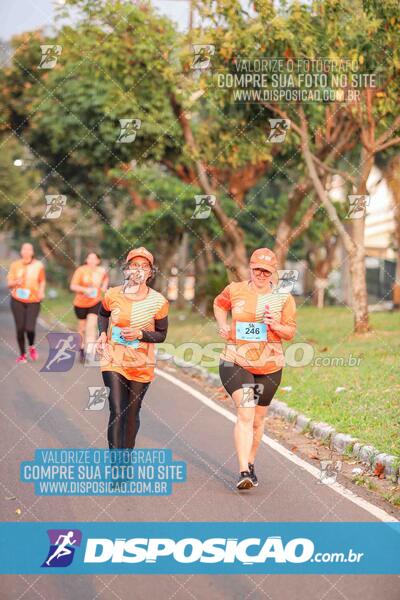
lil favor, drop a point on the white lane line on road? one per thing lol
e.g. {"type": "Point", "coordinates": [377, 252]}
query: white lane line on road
{"type": "Point", "coordinates": [377, 512]}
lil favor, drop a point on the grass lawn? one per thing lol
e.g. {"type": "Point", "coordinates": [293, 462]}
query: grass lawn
{"type": "Point", "coordinates": [368, 408]}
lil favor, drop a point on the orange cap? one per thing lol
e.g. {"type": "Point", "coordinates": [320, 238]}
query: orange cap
{"type": "Point", "coordinates": [263, 258]}
{"type": "Point", "coordinates": [140, 252]}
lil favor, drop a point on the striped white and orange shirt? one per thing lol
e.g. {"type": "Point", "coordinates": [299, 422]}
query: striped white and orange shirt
{"type": "Point", "coordinates": [133, 363]}
{"type": "Point", "coordinates": [245, 305]}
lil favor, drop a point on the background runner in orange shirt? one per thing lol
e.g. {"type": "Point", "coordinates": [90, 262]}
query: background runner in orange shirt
{"type": "Point", "coordinates": [251, 363]}
{"type": "Point", "coordinates": [27, 282]}
{"type": "Point", "coordinates": [89, 282]}
{"type": "Point", "coordinates": [132, 318]}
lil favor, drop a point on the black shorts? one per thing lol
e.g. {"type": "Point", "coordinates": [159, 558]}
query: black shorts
{"type": "Point", "coordinates": [234, 377]}
{"type": "Point", "coordinates": [82, 313]}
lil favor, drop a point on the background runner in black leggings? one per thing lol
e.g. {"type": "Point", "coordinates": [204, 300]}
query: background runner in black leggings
{"type": "Point", "coordinates": [26, 280]}
{"type": "Point", "coordinates": [25, 317]}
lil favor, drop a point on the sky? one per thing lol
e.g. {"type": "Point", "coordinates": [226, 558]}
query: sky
{"type": "Point", "coordinates": [17, 16]}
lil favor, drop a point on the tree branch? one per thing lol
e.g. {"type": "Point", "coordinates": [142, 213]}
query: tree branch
{"type": "Point", "coordinates": [305, 220]}
{"type": "Point", "coordinates": [343, 174]}
{"type": "Point", "coordinates": [282, 114]}
{"type": "Point", "coordinates": [388, 144]}
{"type": "Point", "coordinates": [189, 139]}
{"type": "Point", "coordinates": [386, 135]}
{"type": "Point", "coordinates": [319, 188]}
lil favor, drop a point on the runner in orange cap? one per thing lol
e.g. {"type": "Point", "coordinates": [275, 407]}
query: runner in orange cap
{"type": "Point", "coordinates": [251, 364]}
{"type": "Point", "coordinates": [132, 318]}
{"type": "Point", "coordinates": [89, 282]}
{"type": "Point", "coordinates": [27, 282]}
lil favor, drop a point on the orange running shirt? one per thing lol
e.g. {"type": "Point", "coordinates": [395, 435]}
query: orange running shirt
{"type": "Point", "coordinates": [133, 363]}
{"type": "Point", "coordinates": [31, 275]}
{"type": "Point", "coordinates": [90, 278]}
{"type": "Point", "coordinates": [257, 357]}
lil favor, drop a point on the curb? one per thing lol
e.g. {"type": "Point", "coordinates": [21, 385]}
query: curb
{"type": "Point", "coordinates": [342, 443]}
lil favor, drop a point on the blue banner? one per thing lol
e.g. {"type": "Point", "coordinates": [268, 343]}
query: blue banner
{"type": "Point", "coordinates": [200, 548]}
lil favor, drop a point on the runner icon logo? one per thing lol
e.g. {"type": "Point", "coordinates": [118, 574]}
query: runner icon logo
{"type": "Point", "coordinates": [62, 350]}
{"type": "Point", "coordinates": [251, 394]}
{"type": "Point", "coordinates": [278, 130]}
{"type": "Point", "coordinates": [97, 397]}
{"type": "Point", "coordinates": [287, 281]}
{"type": "Point", "coordinates": [357, 206]}
{"type": "Point", "coordinates": [50, 53]}
{"type": "Point", "coordinates": [238, 306]}
{"type": "Point", "coordinates": [129, 128]}
{"type": "Point", "coordinates": [204, 203]}
{"type": "Point", "coordinates": [62, 547]}
{"type": "Point", "coordinates": [329, 471]}
{"type": "Point", "coordinates": [54, 206]}
{"type": "Point", "coordinates": [202, 56]}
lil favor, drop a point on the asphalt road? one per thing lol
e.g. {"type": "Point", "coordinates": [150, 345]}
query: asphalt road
{"type": "Point", "coordinates": [47, 410]}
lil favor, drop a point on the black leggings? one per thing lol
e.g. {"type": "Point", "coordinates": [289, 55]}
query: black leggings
{"type": "Point", "coordinates": [234, 377]}
{"type": "Point", "coordinates": [25, 316]}
{"type": "Point", "coordinates": [125, 401]}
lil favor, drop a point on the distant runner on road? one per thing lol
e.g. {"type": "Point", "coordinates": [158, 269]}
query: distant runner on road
{"type": "Point", "coordinates": [251, 363]}
{"type": "Point", "coordinates": [89, 282]}
{"type": "Point", "coordinates": [27, 282]}
{"type": "Point", "coordinates": [132, 318]}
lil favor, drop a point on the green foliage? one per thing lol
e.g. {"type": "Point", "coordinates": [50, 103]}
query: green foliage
{"type": "Point", "coordinates": [17, 184]}
{"type": "Point", "coordinates": [125, 60]}
{"type": "Point", "coordinates": [211, 285]}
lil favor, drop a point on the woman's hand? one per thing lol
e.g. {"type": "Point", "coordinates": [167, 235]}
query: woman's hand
{"type": "Point", "coordinates": [130, 333]}
{"type": "Point", "coordinates": [102, 346]}
{"type": "Point", "coordinates": [270, 320]}
{"type": "Point", "coordinates": [225, 331]}
{"type": "Point", "coordinates": [15, 283]}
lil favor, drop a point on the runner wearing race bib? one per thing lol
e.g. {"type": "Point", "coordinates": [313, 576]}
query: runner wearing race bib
{"type": "Point", "coordinates": [89, 282]}
{"type": "Point", "coordinates": [252, 361]}
{"type": "Point", "coordinates": [27, 281]}
{"type": "Point", "coordinates": [132, 318]}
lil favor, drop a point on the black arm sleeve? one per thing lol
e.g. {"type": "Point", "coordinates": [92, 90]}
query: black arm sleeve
{"type": "Point", "coordinates": [160, 333]}
{"type": "Point", "coordinates": [104, 316]}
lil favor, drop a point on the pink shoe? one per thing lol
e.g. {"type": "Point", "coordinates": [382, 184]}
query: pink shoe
{"type": "Point", "coordinates": [21, 359]}
{"type": "Point", "coordinates": [33, 353]}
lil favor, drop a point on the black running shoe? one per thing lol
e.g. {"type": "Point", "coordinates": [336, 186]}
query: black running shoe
{"type": "Point", "coordinates": [253, 475]}
{"type": "Point", "coordinates": [245, 482]}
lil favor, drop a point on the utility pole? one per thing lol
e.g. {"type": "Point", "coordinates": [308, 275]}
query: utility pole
{"type": "Point", "coordinates": [191, 11]}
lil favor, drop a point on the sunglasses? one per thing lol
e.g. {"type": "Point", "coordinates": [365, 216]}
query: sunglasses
{"type": "Point", "coordinates": [261, 271]}
{"type": "Point", "coordinates": [136, 267]}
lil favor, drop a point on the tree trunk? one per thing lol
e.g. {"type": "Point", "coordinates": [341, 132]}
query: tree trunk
{"type": "Point", "coordinates": [283, 237]}
{"type": "Point", "coordinates": [322, 267]}
{"type": "Point", "coordinates": [165, 259]}
{"type": "Point", "coordinates": [357, 257]}
{"type": "Point", "coordinates": [200, 301]}
{"type": "Point", "coordinates": [182, 262]}
{"type": "Point", "coordinates": [392, 176]}
{"type": "Point", "coordinates": [396, 285]}
{"type": "Point", "coordinates": [320, 286]}
{"type": "Point", "coordinates": [354, 244]}
{"type": "Point", "coordinates": [359, 290]}
{"type": "Point", "coordinates": [282, 242]}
